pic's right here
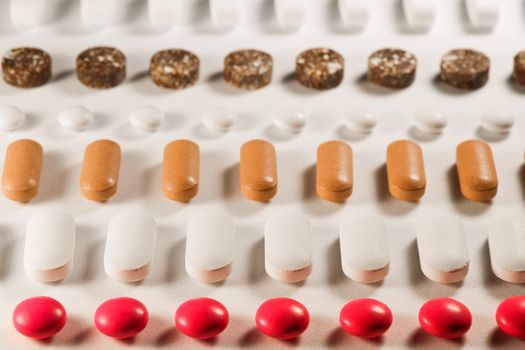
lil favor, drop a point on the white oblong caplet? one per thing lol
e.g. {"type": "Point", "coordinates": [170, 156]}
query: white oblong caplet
{"type": "Point", "coordinates": [507, 248]}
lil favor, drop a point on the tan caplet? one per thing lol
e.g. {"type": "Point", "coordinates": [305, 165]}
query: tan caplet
{"type": "Point", "coordinates": [258, 170]}
{"type": "Point", "coordinates": [22, 169]}
{"type": "Point", "coordinates": [100, 170]}
{"type": "Point", "coordinates": [334, 171]}
{"type": "Point", "coordinates": [405, 170]}
{"type": "Point", "coordinates": [180, 170]}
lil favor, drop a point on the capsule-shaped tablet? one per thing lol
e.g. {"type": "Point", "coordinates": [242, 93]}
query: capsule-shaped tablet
{"type": "Point", "coordinates": [130, 246]}
{"type": "Point", "coordinates": [258, 170]}
{"type": "Point", "coordinates": [506, 242]}
{"type": "Point", "coordinates": [476, 171]}
{"type": "Point", "coordinates": [405, 170]}
{"type": "Point", "coordinates": [100, 170]}
{"type": "Point", "coordinates": [22, 169]}
{"type": "Point", "coordinates": [334, 172]}
{"type": "Point", "coordinates": [209, 246]}
{"type": "Point", "coordinates": [288, 241]}
{"type": "Point", "coordinates": [443, 249]}
{"type": "Point", "coordinates": [49, 246]}
{"type": "Point", "coordinates": [180, 170]}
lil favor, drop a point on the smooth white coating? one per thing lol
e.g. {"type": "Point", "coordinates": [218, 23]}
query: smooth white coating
{"type": "Point", "coordinates": [507, 248]}
{"type": "Point", "coordinates": [209, 246]}
{"type": "Point", "coordinates": [443, 249]}
{"type": "Point", "coordinates": [496, 122]}
{"type": "Point", "coordinates": [146, 118]}
{"type": "Point", "coordinates": [130, 245]}
{"type": "Point", "coordinates": [290, 14]}
{"type": "Point", "coordinates": [163, 13]}
{"type": "Point", "coordinates": [288, 241]}
{"type": "Point", "coordinates": [27, 13]}
{"type": "Point", "coordinates": [76, 118]}
{"type": "Point", "coordinates": [420, 14]}
{"type": "Point", "coordinates": [290, 119]}
{"type": "Point", "coordinates": [361, 122]}
{"type": "Point", "coordinates": [97, 14]}
{"type": "Point", "coordinates": [354, 14]}
{"type": "Point", "coordinates": [219, 119]}
{"type": "Point", "coordinates": [49, 245]}
{"type": "Point", "coordinates": [483, 14]}
{"type": "Point", "coordinates": [224, 13]}
{"type": "Point", "coordinates": [431, 122]}
{"type": "Point", "coordinates": [11, 118]}
{"type": "Point", "coordinates": [363, 241]}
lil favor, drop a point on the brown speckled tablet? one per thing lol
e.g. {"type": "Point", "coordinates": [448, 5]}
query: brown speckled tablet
{"type": "Point", "coordinates": [465, 69]}
{"type": "Point", "coordinates": [392, 68]}
{"type": "Point", "coordinates": [519, 68]}
{"type": "Point", "coordinates": [248, 69]}
{"type": "Point", "coordinates": [26, 67]}
{"type": "Point", "coordinates": [101, 67]}
{"type": "Point", "coordinates": [174, 69]}
{"type": "Point", "coordinates": [319, 68]}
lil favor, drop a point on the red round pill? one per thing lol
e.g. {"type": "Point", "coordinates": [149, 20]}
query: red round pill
{"type": "Point", "coordinates": [282, 318]}
{"type": "Point", "coordinates": [510, 316]}
{"type": "Point", "coordinates": [445, 318]}
{"type": "Point", "coordinates": [39, 317]}
{"type": "Point", "coordinates": [201, 318]}
{"type": "Point", "coordinates": [121, 317]}
{"type": "Point", "coordinates": [366, 318]}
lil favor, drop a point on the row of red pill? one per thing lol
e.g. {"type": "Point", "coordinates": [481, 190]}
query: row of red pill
{"type": "Point", "coordinates": [280, 318]}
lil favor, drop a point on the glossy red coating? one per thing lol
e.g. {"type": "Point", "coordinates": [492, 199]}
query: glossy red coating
{"type": "Point", "coordinates": [510, 316]}
{"type": "Point", "coordinates": [121, 318]}
{"type": "Point", "coordinates": [282, 318]}
{"type": "Point", "coordinates": [201, 318]}
{"type": "Point", "coordinates": [366, 318]}
{"type": "Point", "coordinates": [39, 317]}
{"type": "Point", "coordinates": [445, 318]}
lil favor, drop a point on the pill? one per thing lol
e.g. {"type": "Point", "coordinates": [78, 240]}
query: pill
{"type": "Point", "coordinates": [97, 14]}
{"type": "Point", "coordinates": [49, 246]}
{"type": "Point", "coordinates": [201, 318]}
{"type": "Point", "coordinates": [405, 170]}
{"type": "Point", "coordinates": [130, 245]}
{"type": "Point", "coordinates": [334, 171]}
{"type": "Point", "coordinates": [420, 14]}
{"type": "Point", "coordinates": [483, 14]}
{"type": "Point", "coordinates": [288, 242]}
{"type": "Point", "coordinates": [180, 170]}
{"type": "Point", "coordinates": [27, 13]}
{"type": "Point", "coordinates": [248, 69]}
{"type": "Point", "coordinates": [443, 249]}
{"type": "Point", "coordinates": [290, 120]}
{"type": "Point", "coordinates": [163, 14]}
{"type": "Point", "coordinates": [392, 68]}
{"type": "Point", "coordinates": [224, 13]}
{"type": "Point", "coordinates": [121, 318]}
{"type": "Point", "coordinates": [258, 167]}
{"type": "Point", "coordinates": [219, 119]}
{"type": "Point", "coordinates": [365, 318]}
{"type": "Point", "coordinates": [101, 67]}
{"type": "Point", "coordinates": [354, 14]}
{"type": "Point", "coordinates": [445, 318]}
{"type": "Point", "coordinates": [510, 316]}
{"type": "Point", "coordinates": [39, 317]}
{"type": "Point", "coordinates": [465, 69]}
{"type": "Point", "coordinates": [146, 118]}
{"type": "Point", "coordinates": [26, 67]}
{"type": "Point", "coordinates": [174, 69]}
{"type": "Point", "coordinates": [361, 122]}
{"type": "Point", "coordinates": [209, 254]}
{"type": "Point", "coordinates": [282, 318]}
{"type": "Point", "coordinates": [519, 68]}
{"type": "Point", "coordinates": [76, 118]}
{"type": "Point", "coordinates": [290, 14]}
{"type": "Point", "coordinates": [11, 118]}
{"type": "Point", "coordinates": [496, 122]}
{"type": "Point", "coordinates": [363, 241]}
{"type": "Point", "coordinates": [100, 170]}
{"type": "Point", "coordinates": [22, 168]}
{"type": "Point", "coordinates": [476, 171]}
{"type": "Point", "coordinates": [319, 68]}
{"type": "Point", "coordinates": [430, 122]}
{"type": "Point", "coordinates": [506, 241]}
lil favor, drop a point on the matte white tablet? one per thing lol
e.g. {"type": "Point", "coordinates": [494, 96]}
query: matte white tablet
{"type": "Point", "coordinates": [483, 14]}
{"type": "Point", "coordinates": [443, 250]}
{"type": "Point", "coordinates": [288, 247]}
{"type": "Point", "coordinates": [290, 13]}
{"type": "Point", "coordinates": [49, 246]}
{"type": "Point", "coordinates": [163, 13]}
{"type": "Point", "coordinates": [354, 13]}
{"type": "Point", "coordinates": [419, 14]}
{"type": "Point", "coordinates": [130, 246]}
{"type": "Point", "coordinates": [507, 248]}
{"type": "Point", "coordinates": [224, 13]}
{"type": "Point", "coordinates": [363, 240]}
{"type": "Point", "coordinates": [27, 13]}
{"type": "Point", "coordinates": [97, 14]}
{"type": "Point", "coordinates": [209, 246]}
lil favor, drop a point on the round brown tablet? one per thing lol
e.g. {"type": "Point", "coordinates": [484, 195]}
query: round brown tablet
{"type": "Point", "coordinates": [174, 69]}
{"type": "Point", "coordinates": [392, 68]}
{"type": "Point", "coordinates": [465, 69]}
{"type": "Point", "coordinates": [26, 67]}
{"type": "Point", "coordinates": [519, 68]}
{"type": "Point", "coordinates": [248, 69]}
{"type": "Point", "coordinates": [101, 67]}
{"type": "Point", "coordinates": [319, 68]}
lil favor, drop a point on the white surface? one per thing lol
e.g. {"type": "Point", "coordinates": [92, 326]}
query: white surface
{"type": "Point", "coordinates": [483, 14]}
{"type": "Point", "coordinates": [76, 118]}
{"type": "Point", "coordinates": [11, 118]}
{"type": "Point", "coordinates": [147, 118]}
{"type": "Point", "coordinates": [327, 289]}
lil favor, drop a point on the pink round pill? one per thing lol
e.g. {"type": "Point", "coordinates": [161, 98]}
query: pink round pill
{"type": "Point", "coordinates": [39, 317]}
{"type": "Point", "coordinates": [121, 318]}
{"type": "Point", "coordinates": [201, 318]}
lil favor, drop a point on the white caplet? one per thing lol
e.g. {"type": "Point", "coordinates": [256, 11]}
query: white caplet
{"type": "Point", "coordinates": [224, 13]}
{"type": "Point", "coordinates": [27, 13]}
{"type": "Point", "coordinates": [219, 119]}
{"type": "Point", "coordinates": [146, 118]}
{"type": "Point", "coordinates": [507, 248]}
{"type": "Point", "coordinates": [97, 14]}
{"type": "Point", "coordinates": [354, 13]}
{"type": "Point", "coordinates": [290, 14]}
{"type": "Point", "coordinates": [75, 118]}
{"type": "Point", "coordinates": [420, 14]}
{"type": "Point", "coordinates": [163, 14]}
{"type": "Point", "coordinates": [290, 120]}
{"type": "Point", "coordinates": [361, 122]}
{"type": "Point", "coordinates": [11, 118]}
{"type": "Point", "coordinates": [430, 122]}
{"type": "Point", "coordinates": [495, 122]}
{"type": "Point", "coordinates": [483, 14]}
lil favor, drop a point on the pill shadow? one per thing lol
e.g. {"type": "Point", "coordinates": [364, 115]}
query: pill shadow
{"type": "Point", "coordinates": [175, 266]}
{"type": "Point", "coordinates": [447, 89]}
{"type": "Point", "coordinates": [345, 133]}
{"type": "Point", "coordinates": [498, 339]}
{"type": "Point", "coordinates": [418, 135]}
{"type": "Point", "coordinates": [388, 204]}
{"type": "Point", "coordinates": [75, 332]}
{"type": "Point", "coordinates": [94, 261]}
{"type": "Point", "coordinates": [253, 338]}
{"type": "Point", "coordinates": [419, 339]}
{"type": "Point", "coordinates": [466, 23]}
{"type": "Point", "coordinates": [200, 131]}
{"type": "Point", "coordinates": [488, 136]}
{"type": "Point", "coordinates": [514, 86]}
{"type": "Point", "coordinates": [256, 270]}
{"type": "Point", "coordinates": [158, 332]}
{"type": "Point", "coordinates": [143, 84]}
{"type": "Point", "coordinates": [63, 75]}
{"type": "Point", "coordinates": [130, 179]}
{"type": "Point", "coordinates": [333, 262]}
{"type": "Point", "coordinates": [311, 202]}
{"type": "Point", "coordinates": [335, 23]}
{"type": "Point", "coordinates": [238, 205]}
{"type": "Point", "coordinates": [339, 339]}
{"type": "Point", "coordinates": [7, 245]}
{"type": "Point", "coordinates": [81, 258]}
{"type": "Point", "coordinates": [273, 133]}
{"type": "Point", "coordinates": [368, 87]}
{"type": "Point", "coordinates": [290, 83]}
{"type": "Point", "coordinates": [461, 204]}
{"type": "Point", "coordinates": [521, 179]}
{"type": "Point", "coordinates": [216, 82]}
{"type": "Point", "coordinates": [30, 122]}
{"type": "Point", "coordinates": [53, 178]}
{"type": "Point", "coordinates": [494, 285]}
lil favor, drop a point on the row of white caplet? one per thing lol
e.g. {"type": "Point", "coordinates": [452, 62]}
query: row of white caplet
{"type": "Point", "coordinates": [290, 14]}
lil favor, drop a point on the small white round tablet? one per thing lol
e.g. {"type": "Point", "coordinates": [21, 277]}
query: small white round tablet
{"type": "Point", "coordinates": [146, 118]}
{"type": "Point", "coordinates": [11, 118]}
{"type": "Point", "coordinates": [219, 119]}
{"type": "Point", "coordinates": [431, 122]}
{"type": "Point", "coordinates": [290, 119]}
{"type": "Point", "coordinates": [495, 122]}
{"type": "Point", "coordinates": [361, 122]}
{"type": "Point", "coordinates": [75, 118]}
